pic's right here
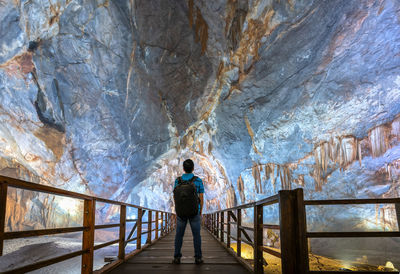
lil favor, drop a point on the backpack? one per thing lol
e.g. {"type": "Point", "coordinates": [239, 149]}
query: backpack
{"type": "Point", "coordinates": [186, 199]}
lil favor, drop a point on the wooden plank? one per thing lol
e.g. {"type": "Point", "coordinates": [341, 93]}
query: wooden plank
{"type": "Point", "coordinates": [162, 223]}
{"type": "Point", "coordinates": [287, 235]}
{"type": "Point", "coordinates": [222, 227]}
{"type": "Point", "coordinates": [397, 207]}
{"type": "Point", "coordinates": [12, 182]}
{"type": "Point", "coordinates": [239, 233]}
{"type": "Point", "coordinates": [105, 244]}
{"type": "Point", "coordinates": [157, 225]}
{"type": "Point", "coordinates": [131, 220]}
{"type": "Point", "coordinates": [45, 263]}
{"type": "Point", "coordinates": [358, 272]}
{"type": "Point", "coordinates": [271, 226]}
{"type": "Point", "coordinates": [258, 239]}
{"type": "Point", "coordinates": [246, 228]}
{"type": "Point", "coordinates": [122, 231]}
{"type": "Point", "coordinates": [88, 236]}
{"type": "Point", "coordinates": [3, 206]}
{"type": "Point", "coordinates": [228, 236]}
{"type": "Point", "coordinates": [149, 224]}
{"type": "Point", "coordinates": [246, 235]}
{"type": "Point", "coordinates": [130, 240]}
{"type": "Point", "coordinates": [139, 229]}
{"type": "Point", "coordinates": [301, 230]}
{"type": "Point", "coordinates": [217, 225]}
{"type": "Point", "coordinates": [41, 232]}
{"type": "Point", "coordinates": [353, 201]}
{"type": "Point", "coordinates": [361, 234]}
{"type": "Point", "coordinates": [271, 251]}
{"type": "Point", "coordinates": [106, 226]}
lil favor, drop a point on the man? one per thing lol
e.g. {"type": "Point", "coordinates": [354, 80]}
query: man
{"type": "Point", "coordinates": [188, 182]}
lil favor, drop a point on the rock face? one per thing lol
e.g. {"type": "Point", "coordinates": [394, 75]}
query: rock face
{"type": "Point", "coordinates": [108, 98]}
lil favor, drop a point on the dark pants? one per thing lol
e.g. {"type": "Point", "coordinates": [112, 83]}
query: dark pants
{"type": "Point", "coordinates": [180, 231]}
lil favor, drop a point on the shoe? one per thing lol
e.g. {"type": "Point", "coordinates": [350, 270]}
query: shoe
{"type": "Point", "coordinates": [176, 261]}
{"type": "Point", "coordinates": [198, 261]}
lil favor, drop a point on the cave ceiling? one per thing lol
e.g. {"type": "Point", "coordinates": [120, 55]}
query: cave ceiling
{"type": "Point", "coordinates": [108, 97]}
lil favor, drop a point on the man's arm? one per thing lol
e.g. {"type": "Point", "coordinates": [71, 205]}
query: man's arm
{"type": "Point", "coordinates": [201, 202]}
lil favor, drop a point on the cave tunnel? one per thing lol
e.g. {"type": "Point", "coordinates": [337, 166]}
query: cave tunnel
{"type": "Point", "coordinates": [107, 98]}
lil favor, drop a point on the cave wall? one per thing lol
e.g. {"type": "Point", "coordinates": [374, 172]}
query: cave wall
{"type": "Point", "coordinates": [109, 97]}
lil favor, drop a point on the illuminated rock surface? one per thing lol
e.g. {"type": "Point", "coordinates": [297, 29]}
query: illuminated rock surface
{"type": "Point", "coordinates": [108, 97]}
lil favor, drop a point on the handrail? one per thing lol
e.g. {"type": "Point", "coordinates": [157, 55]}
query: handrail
{"type": "Point", "coordinates": [292, 227]}
{"type": "Point", "coordinates": [163, 226]}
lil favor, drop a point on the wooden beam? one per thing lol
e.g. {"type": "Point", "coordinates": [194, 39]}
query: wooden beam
{"type": "Point", "coordinates": [222, 226]}
{"type": "Point", "coordinates": [45, 263]}
{"type": "Point", "coordinates": [157, 224]}
{"type": "Point", "coordinates": [149, 224]}
{"type": "Point", "coordinates": [139, 229]}
{"type": "Point", "coordinates": [272, 252]}
{"type": "Point", "coordinates": [287, 201]}
{"type": "Point", "coordinates": [88, 236]}
{"type": "Point", "coordinates": [228, 237]}
{"type": "Point", "coordinates": [162, 223]}
{"type": "Point", "coordinates": [397, 207]}
{"type": "Point", "coordinates": [122, 231]}
{"type": "Point", "coordinates": [353, 201]}
{"type": "Point", "coordinates": [41, 232]}
{"type": "Point", "coordinates": [258, 239]}
{"type": "Point", "coordinates": [238, 233]}
{"type": "Point", "coordinates": [3, 206]}
{"type": "Point", "coordinates": [105, 244]}
{"type": "Point", "coordinates": [361, 234]}
{"type": "Point", "coordinates": [301, 230]}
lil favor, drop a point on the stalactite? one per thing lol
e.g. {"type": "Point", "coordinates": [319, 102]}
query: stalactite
{"type": "Point", "coordinates": [378, 140]}
{"type": "Point", "coordinates": [241, 189]}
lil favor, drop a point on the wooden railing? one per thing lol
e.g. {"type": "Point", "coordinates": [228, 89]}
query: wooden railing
{"type": "Point", "coordinates": [292, 227]}
{"type": "Point", "coordinates": [164, 223]}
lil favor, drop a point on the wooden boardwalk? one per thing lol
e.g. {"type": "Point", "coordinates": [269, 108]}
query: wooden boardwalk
{"type": "Point", "coordinates": [158, 257]}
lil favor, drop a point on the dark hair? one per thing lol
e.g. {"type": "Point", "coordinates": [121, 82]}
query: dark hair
{"type": "Point", "coordinates": [188, 166]}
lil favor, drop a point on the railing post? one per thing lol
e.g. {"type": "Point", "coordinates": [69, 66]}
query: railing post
{"type": "Point", "coordinates": [397, 207]}
{"type": "Point", "coordinates": [149, 225]}
{"type": "Point", "coordinates": [301, 231]}
{"type": "Point", "coordinates": [139, 229]}
{"type": "Point", "coordinates": [292, 232]}
{"type": "Point", "coordinates": [228, 237]}
{"type": "Point", "coordinates": [222, 226]}
{"type": "Point", "coordinates": [212, 223]}
{"type": "Point", "coordinates": [88, 235]}
{"type": "Point", "coordinates": [122, 230]}
{"type": "Point", "coordinates": [218, 224]}
{"type": "Point", "coordinates": [258, 239]}
{"type": "Point", "coordinates": [239, 233]}
{"type": "Point", "coordinates": [157, 224]}
{"type": "Point", "coordinates": [162, 223]}
{"type": "Point", "coordinates": [3, 206]}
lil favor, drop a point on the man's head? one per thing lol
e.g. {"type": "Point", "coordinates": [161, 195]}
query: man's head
{"type": "Point", "coordinates": [188, 166]}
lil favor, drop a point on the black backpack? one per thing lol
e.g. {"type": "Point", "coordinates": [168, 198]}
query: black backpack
{"type": "Point", "coordinates": [186, 199]}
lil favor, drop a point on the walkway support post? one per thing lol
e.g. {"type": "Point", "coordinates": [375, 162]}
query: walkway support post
{"type": "Point", "coordinates": [149, 226]}
{"type": "Point", "coordinates": [122, 231]}
{"type": "Point", "coordinates": [397, 207]}
{"type": "Point", "coordinates": [222, 226]}
{"type": "Point", "coordinates": [3, 206]}
{"type": "Point", "coordinates": [228, 237]}
{"type": "Point", "coordinates": [157, 224]}
{"type": "Point", "coordinates": [239, 232]}
{"type": "Point", "coordinates": [88, 235]}
{"type": "Point", "coordinates": [139, 229]}
{"type": "Point", "coordinates": [293, 232]}
{"type": "Point", "coordinates": [258, 239]}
